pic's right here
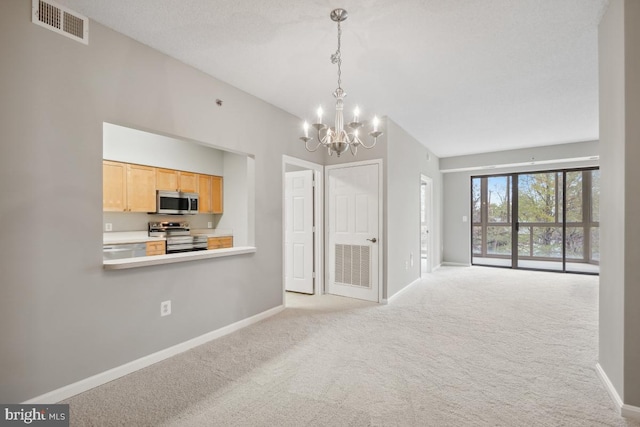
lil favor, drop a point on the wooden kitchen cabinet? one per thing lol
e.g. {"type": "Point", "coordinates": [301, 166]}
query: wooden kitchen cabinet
{"type": "Point", "coordinates": [114, 186]}
{"type": "Point", "coordinates": [156, 248]}
{"type": "Point", "coordinates": [204, 193]}
{"type": "Point", "coordinates": [210, 191]}
{"type": "Point", "coordinates": [217, 194]}
{"type": "Point", "coordinates": [141, 188]}
{"type": "Point", "coordinates": [167, 179]}
{"type": "Point", "coordinates": [188, 182]}
{"type": "Point", "coordinates": [173, 180]}
{"type": "Point", "coordinates": [219, 242]}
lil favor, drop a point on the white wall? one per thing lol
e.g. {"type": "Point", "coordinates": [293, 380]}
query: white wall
{"type": "Point", "coordinates": [236, 198]}
{"type": "Point", "coordinates": [457, 185]}
{"type": "Point", "coordinates": [129, 145]}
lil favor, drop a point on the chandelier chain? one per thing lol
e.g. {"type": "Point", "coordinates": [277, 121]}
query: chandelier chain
{"type": "Point", "coordinates": [336, 58]}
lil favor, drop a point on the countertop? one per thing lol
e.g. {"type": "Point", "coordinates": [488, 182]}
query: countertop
{"type": "Point", "coordinates": [122, 237]}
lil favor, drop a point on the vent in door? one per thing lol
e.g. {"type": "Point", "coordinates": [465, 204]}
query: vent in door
{"type": "Point", "coordinates": [353, 263]}
{"type": "Point", "coordinates": [61, 20]}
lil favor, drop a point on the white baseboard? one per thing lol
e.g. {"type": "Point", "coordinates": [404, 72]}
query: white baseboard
{"type": "Point", "coordinates": [628, 411]}
{"type": "Point", "coordinates": [392, 297]}
{"type": "Point", "coordinates": [436, 267]}
{"type": "Point", "coordinates": [455, 264]}
{"type": "Point", "coordinates": [613, 393]}
{"type": "Point", "coordinates": [120, 371]}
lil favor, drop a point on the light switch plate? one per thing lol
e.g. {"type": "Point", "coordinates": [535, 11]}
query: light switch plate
{"type": "Point", "coordinates": [464, 218]}
{"type": "Point", "coordinates": [108, 226]}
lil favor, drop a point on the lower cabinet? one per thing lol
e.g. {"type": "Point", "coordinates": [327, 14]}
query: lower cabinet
{"type": "Point", "coordinates": [156, 248]}
{"type": "Point", "coordinates": [220, 242]}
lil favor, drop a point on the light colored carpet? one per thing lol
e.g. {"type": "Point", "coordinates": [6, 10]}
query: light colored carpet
{"type": "Point", "coordinates": [465, 347]}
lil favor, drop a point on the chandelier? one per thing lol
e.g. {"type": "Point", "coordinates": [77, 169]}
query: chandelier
{"type": "Point", "coordinates": [338, 139]}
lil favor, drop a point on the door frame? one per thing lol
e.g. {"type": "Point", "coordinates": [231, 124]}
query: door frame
{"type": "Point", "coordinates": [318, 221]}
{"type": "Point", "coordinates": [429, 212]}
{"type": "Point", "coordinates": [381, 240]}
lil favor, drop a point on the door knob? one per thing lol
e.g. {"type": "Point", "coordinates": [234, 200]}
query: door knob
{"type": "Point", "coordinates": [373, 240]}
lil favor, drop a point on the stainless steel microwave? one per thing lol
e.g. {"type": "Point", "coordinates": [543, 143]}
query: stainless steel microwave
{"type": "Point", "coordinates": [176, 203]}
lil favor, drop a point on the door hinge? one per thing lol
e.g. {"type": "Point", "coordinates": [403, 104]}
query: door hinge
{"type": "Point", "coordinates": [313, 275]}
{"type": "Point", "coordinates": [313, 229]}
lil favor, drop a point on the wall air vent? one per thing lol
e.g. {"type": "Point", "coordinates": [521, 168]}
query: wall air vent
{"type": "Point", "coordinates": [58, 18]}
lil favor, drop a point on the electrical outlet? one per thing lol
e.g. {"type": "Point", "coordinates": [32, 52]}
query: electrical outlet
{"type": "Point", "coordinates": [406, 265]}
{"type": "Point", "coordinates": [209, 224]}
{"type": "Point", "coordinates": [108, 226]}
{"type": "Point", "coordinates": [165, 308]}
{"type": "Point", "coordinates": [411, 259]}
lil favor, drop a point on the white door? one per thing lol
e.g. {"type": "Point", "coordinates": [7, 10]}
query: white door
{"type": "Point", "coordinates": [299, 231]}
{"type": "Point", "coordinates": [426, 185]}
{"type": "Point", "coordinates": [353, 209]}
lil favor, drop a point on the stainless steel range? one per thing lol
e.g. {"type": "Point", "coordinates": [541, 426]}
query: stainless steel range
{"type": "Point", "coordinates": [179, 238]}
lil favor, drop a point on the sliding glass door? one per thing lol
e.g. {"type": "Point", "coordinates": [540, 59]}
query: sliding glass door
{"type": "Point", "coordinates": [492, 220]}
{"type": "Point", "coordinates": [540, 221]}
{"type": "Point", "coordinates": [556, 226]}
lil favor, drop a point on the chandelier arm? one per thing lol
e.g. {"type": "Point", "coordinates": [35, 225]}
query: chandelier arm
{"type": "Point", "coordinates": [306, 145]}
{"type": "Point", "coordinates": [323, 139]}
{"type": "Point", "coordinates": [368, 147]}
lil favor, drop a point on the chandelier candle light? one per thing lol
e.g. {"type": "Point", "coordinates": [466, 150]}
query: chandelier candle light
{"type": "Point", "coordinates": [338, 139]}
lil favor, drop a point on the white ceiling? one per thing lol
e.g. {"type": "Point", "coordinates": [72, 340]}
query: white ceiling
{"type": "Point", "coordinates": [461, 76]}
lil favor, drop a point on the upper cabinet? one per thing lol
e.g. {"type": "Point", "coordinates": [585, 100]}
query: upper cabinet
{"type": "Point", "coordinates": [132, 188]}
{"type": "Point", "coordinates": [216, 194]}
{"type": "Point", "coordinates": [128, 188]}
{"type": "Point", "coordinates": [141, 188]}
{"type": "Point", "coordinates": [188, 182]}
{"type": "Point", "coordinates": [210, 194]}
{"type": "Point", "coordinates": [114, 186]}
{"type": "Point", "coordinates": [204, 193]}
{"type": "Point", "coordinates": [173, 180]}
{"type": "Point", "coordinates": [167, 179]}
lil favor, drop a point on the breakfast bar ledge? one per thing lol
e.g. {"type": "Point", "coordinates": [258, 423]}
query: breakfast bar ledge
{"type": "Point", "coordinates": [119, 264]}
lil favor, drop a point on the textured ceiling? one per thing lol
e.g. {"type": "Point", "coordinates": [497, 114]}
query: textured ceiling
{"type": "Point", "coordinates": [461, 76]}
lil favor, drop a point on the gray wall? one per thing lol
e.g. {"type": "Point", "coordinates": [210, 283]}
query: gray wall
{"type": "Point", "coordinates": [457, 185]}
{"type": "Point", "coordinates": [404, 159]}
{"type": "Point", "coordinates": [407, 159]}
{"type": "Point", "coordinates": [62, 317]}
{"type": "Point", "coordinates": [632, 204]}
{"type": "Point", "coordinates": [612, 201]}
{"type": "Point", "coordinates": [619, 39]}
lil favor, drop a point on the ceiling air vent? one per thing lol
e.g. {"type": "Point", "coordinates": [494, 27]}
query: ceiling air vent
{"type": "Point", "coordinates": [61, 20]}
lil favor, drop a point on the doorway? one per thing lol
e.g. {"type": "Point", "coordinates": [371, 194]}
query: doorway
{"type": "Point", "coordinates": [354, 230]}
{"type": "Point", "coordinates": [426, 221]}
{"type": "Point", "coordinates": [302, 226]}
